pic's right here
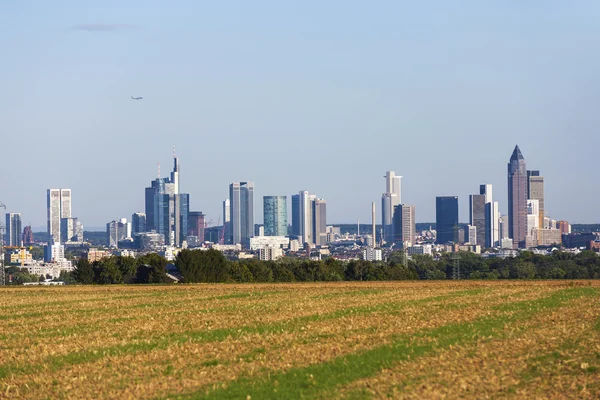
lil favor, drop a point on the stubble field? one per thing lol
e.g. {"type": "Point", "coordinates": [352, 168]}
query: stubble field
{"type": "Point", "coordinates": [345, 340]}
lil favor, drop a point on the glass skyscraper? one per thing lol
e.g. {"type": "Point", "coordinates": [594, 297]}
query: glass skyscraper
{"type": "Point", "coordinates": [275, 215]}
{"type": "Point", "coordinates": [241, 209]}
{"type": "Point", "coordinates": [446, 219]}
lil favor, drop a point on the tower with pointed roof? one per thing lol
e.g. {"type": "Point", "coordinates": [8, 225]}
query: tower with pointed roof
{"type": "Point", "coordinates": [517, 198]}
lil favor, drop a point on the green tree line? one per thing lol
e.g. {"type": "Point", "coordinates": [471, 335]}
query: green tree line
{"type": "Point", "coordinates": [212, 266]}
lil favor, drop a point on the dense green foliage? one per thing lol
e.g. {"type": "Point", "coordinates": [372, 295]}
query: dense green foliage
{"type": "Point", "coordinates": [212, 266]}
{"type": "Point", "coordinates": [146, 269]}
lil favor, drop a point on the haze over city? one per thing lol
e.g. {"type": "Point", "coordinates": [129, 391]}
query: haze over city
{"type": "Point", "coordinates": [322, 97]}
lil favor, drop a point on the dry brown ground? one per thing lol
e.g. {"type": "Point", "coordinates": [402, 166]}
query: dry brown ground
{"type": "Point", "coordinates": [308, 324]}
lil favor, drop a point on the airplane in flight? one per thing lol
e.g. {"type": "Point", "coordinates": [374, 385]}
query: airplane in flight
{"type": "Point", "coordinates": [136, 98]}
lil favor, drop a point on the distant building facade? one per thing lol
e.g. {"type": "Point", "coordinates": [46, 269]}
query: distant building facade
{"type": "Point", "coordinates": [517, 198]}
{"type": "Point", "coordinates": [275, 215]}
{"type": "Point", "coordinates": [446, 219]}
{"type": "Point", "coordinates": [404, 222]}
{"type": "Point", "coordinates": [58, 206]}
{"type": "Point", "coordinates": [241, 197]}
{"type": "Point", "coordinates": [13, 230]}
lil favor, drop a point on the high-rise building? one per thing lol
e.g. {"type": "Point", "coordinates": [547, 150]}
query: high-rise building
{"type": "Point", "coordinates": [196, 225]}
{"type": "Point", "coordinates": [535, 191]}
{"type": "Point", "coordinates": [13, 229]}
{"type": "Point", "coordinates": [471, 234]}
{"type": "Point", "coordinates": [517, 198]}
{"type": "Point", "coordinates": [296, 215]}
{"type": "Point", "coordinates": [28, 236]}
{"type": "Point", "coordinates": [319, 223]}
{"type": "Point", "coordinates": [477, 218]}
{"type": "Point", "coordinates": [492, 216]}
{"type": "Point", "coordinates": [306, 217]}
{"type": "Point", "coordinates": [405, 229]}
{"type": "Point", "coordinates": [166, 208]}
{"type": "Point", "coordinates": [138, 223]}
{"type": "Point", "coordinates": [59, 206]}
{"type": "Point", "coordinates": [275, 215]}
{"type": "Point", "coordinates": [71, 230]}
{"type": "Point", "coordinates": [503, 231]}
{"type": "Point", "coordinates": [117, 231]}
{"type": "Point", "coordinates": [390, 199]}
{"type": "Point", "coordinates": [241, 197]}
{"type": "Point", "coordinates": [446, 219]}
{"type": "Point", "coordinates": [226, 221]}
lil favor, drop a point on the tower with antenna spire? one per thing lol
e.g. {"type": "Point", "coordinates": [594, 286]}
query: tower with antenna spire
{"type": "Point", "coordinates": [167, 209]}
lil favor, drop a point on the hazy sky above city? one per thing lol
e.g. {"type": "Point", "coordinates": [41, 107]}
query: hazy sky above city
{"type": "Point", "coordinates": [323, 96]}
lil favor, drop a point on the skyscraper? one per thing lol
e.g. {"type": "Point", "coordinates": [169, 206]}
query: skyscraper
{"type": "Point", "coordinates": [535, 191]}
{"type": "Point", "coordinates": [404, 225]}
{"type": "Point", "coordinates": [59, 206]}
{"type": "Point", "coordinates": [306, 217]}
{"type": "Point", "coordinates": [166, 208]}
{"type": "Point", "coordinates": [492, 237]}
{"type": "Point", "coordinates": [196, 225]}
{"type": "Point", "coordinates": [296, 215]}
{"type": "Point", "coordinates": [71, 230]}
{"type": "Point", "coordinates": [517, 198]}
{"type": "Point", "coordinates": [13, 229]}
{"type": "Point", "coordinates": [446, 219]}
{"type": "Point", "coordinates": [390, 199]}
{"type": "Point", "coordinates": [138, 223]}
{"type": "Point", "coordinates": [226, 222]}
{"type": "Point", "coordinates": [275, 215]}
{"type": "Point", "coordinates": [319, 223]}
{"type": "Point", "coordinates": [241, 197]}
{"type": "Point", "coordinates": [477, 217]}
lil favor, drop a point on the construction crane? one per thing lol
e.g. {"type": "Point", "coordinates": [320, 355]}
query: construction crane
{"type": "Point", "coordinates": [2, 272]}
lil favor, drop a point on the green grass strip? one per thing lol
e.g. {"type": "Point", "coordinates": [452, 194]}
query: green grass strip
{"type": "Point", "coordinates": [322, 380]}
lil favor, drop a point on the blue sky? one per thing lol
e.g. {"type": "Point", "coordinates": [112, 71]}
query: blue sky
{"type": "Point", "coordinates": [322, 96]}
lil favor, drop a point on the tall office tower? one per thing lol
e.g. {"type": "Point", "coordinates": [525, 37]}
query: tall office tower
{"type": "Point", "coordinates": [241, 197]}
{"type": "Point", "coordinates": [319, 223]}
{"type": "Point", "coordinates": [503, 231]}
{"type": "Point", "coordinates": [446, 219]}
{"type": "Point", "coordinates": [492, 216]}
{"type": "Point", "coordinates": [477, 217]}
{"type": "Point", "coordinates": [138, 223]}
{"type": "Point", "coordinates": [166, 208]}
{"type": "Point", "coordinates": [59, 206]}
{"type": "Point", "coordinates": [226, 221]}
{"type": "Point", "coordinates": [405, 229]}
{"type": "Point", "coordinates": [296, 215]}
{"type": "Point", "coordinates": [306, 217]}
{"type": "Point", "coordinates": [13, 230]}
{"type": "Point", "coordinates": [275, 215]}
{"type": "Point", "coordinates": [471, 234]}
{"type": "Point", "coordinates": [71, 230]}
{"type": "Point", "coordinates": [517, 198]}
{"type": "Point", "coordinates": [533, 216]}
{"type": "Point", "coordinates": [196, 225]}
{"type": "Point", "coordinates": [28, 236]}
{"type": "Point", "coordinates": [117, 231]}
{"type": "Point", "coordinates": [175, 173]}
{"type": "Point", "coordinates": [390, 199]}
{"type": "Point", "coordinates": [535, 191]}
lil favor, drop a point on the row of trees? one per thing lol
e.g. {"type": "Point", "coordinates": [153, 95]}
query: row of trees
{"type": "Point", "coordinates": [149, 268]}
{"type": "Point", "coordinates": [212, 266]}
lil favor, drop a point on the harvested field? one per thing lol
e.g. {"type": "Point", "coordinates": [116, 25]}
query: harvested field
{"type": "Point", "coordinates": [516, 339]}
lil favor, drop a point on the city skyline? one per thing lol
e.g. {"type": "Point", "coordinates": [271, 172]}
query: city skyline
{"type": "Point", "coordinates": [536, 188]}
{"type": "Point", "coordinates": [500, 73]}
